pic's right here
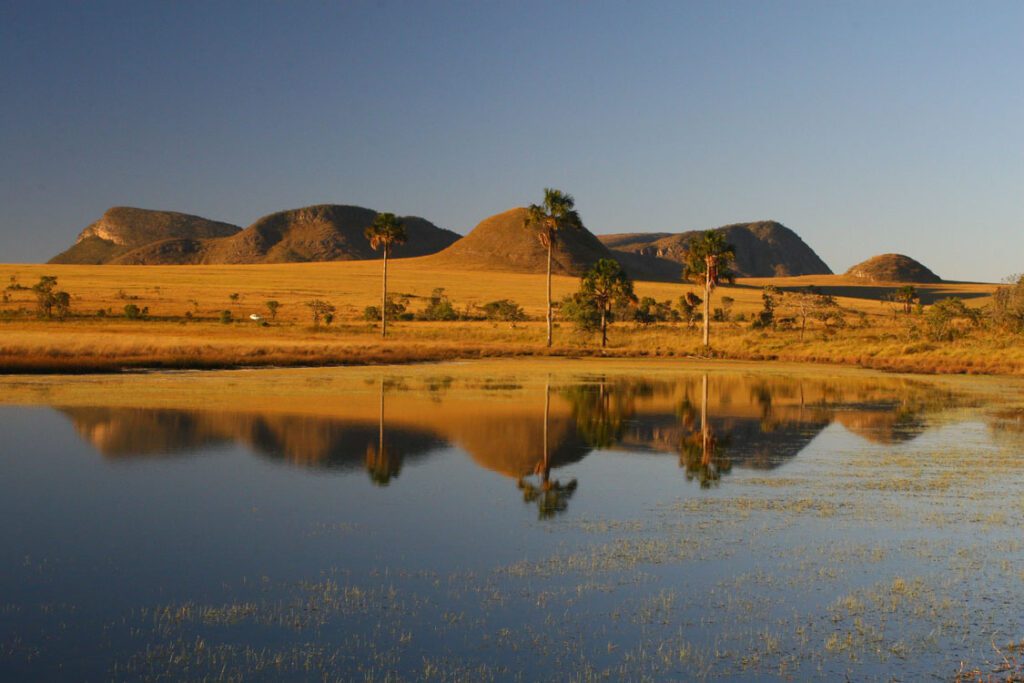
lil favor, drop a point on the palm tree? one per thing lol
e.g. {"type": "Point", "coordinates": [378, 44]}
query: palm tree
{"type": "Point", "coordinates": [385, 232]}
{"type": "Point", "coordinates": [607, 285]}
{"type": "Point", "coordinates": [556, 213]}
{"type": "Point", "coordinates": [708, 258]}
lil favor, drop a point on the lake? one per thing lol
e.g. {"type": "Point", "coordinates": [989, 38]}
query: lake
{"type": "Point", "coordinates": [535, 520]}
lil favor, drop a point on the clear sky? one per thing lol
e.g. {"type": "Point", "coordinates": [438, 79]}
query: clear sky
{"type": "Point", "coordinates": [867, 127]}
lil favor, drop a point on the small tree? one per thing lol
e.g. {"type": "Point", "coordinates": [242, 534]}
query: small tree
{"type": "Point", "coordinates": [320, 309]}
{"type": "Point", "coordinates": [708, 261]}
{"type": "Point", "coordinates": [61, 304]}
{"type": "Point", "coordinates": [906, 297]}
{"type": "Point", "coordinates": [132, 312]}
{"type": "Point", "coordinates": [689, 304]}
{"type": "Point", "coordinates": [272, 307]}
{"type": "Point", "coordinates": [384, 233]}
{"type": "Point", "coordinates": [44, 291]}
{"type": "Point", "coordinates": [607, 285]}
{"type": "Point", "coordinates": [766, 316]}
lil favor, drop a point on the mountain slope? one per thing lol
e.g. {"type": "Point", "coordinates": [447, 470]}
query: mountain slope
{"type": "Point", "coordinates": [123, 229]}
{"type": "Point", "coordinates": [763, 249]}
{"type": "Point", "coordinates": [502, 242]}
{"type": "Point", "coordinates": [325, 232]}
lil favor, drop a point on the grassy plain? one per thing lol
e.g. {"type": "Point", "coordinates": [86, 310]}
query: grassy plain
{"type": "Point", "coordinates": [183, 328]}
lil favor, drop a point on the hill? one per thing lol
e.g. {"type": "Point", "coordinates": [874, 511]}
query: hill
{"type": "Point", "coordinates": [325, 232]}
{"type": "Point", "coordinates": [892, 268]}
{"type": "Point", "coordinates": [763, 249]}
{"type": "Point", "coordinates": [501, 242]}
{"type": "Point", "coordinates": [122, 229]}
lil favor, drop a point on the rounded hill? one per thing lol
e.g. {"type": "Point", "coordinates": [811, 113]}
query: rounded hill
{"type": "Point", "coordinates": [892, 268]}
{"type": "Point", "coordinates": [324, 232]}
{"type": "Point", "coordinates": [503, 242]}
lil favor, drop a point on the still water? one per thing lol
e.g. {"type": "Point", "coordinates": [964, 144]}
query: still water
{"type": "Point", "coordinates": [558, 521]}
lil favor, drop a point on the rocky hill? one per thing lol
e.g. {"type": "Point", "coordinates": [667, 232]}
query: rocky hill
{"type": "Point", "coordinates": [325, 232]}
{"type": "Point", "coordinates": [501, 242]}
{"type": "Point", "coordinates": [892, 268]}
{"type": "Point", "coordinates": [763, 249]}
{"type": "Point", "coordinates": [123, 229]}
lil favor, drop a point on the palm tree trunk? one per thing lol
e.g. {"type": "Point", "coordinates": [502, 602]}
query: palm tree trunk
{"type": "Point", "coordinates": [384, 298]}
{"type": "Point", "coordinates": [604, 328]}
{"type": "Point", "coordinates": [707, 310]}
{"type": "Point", "coordinates": [550, 314]}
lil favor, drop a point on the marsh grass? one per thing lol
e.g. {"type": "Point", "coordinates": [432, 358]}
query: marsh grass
{"type": "Point", "coordinates": [183, 329]}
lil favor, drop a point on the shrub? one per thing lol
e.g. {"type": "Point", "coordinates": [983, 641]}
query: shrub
{"type": "Point", "coordinates": [320, 309]}
{"type": "Point", "coordinates": [1007, 309]}
{"type": "Point", "coordinates": [225, 317]}
{"type": "Point", "coordinates": [439, 307]}
{"type": "Point", "coordinates": [504, 310]}
{"type": "Point", "coordinates": [649, 311]}
{"type": "Point", "coordinates": [948, 319]}
{"type": "Point", "coordinates": [581, 311]}
{"type": "Point", "coordinates": [132, 312]}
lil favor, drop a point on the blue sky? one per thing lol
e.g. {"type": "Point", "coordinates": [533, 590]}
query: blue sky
{"type": "Point", "coordinates": [867, 127]}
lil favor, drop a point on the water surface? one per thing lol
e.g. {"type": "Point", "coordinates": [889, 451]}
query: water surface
{"type": "Point", "coordinates": [564, 520]}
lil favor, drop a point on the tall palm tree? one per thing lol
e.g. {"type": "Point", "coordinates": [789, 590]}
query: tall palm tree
{"type": "Point", "coordinates": [556, 213]}
{"type": "Point", "coordinates": [708, 261]}
{"type": "Point", "coordinates": [385, 232]}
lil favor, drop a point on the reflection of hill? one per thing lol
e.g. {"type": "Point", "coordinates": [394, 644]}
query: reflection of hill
{"type": "Point", "coordinates": [514, 446]}
{"type": "Point", "coordinates": [749, 445]}
{"type": "Point", "coordinates": [299, 440]}
{"type": "Point", "coordinates": [756, 421]}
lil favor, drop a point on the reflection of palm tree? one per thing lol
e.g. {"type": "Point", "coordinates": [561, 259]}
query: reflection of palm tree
{"type": "Point", "coordinates": [701, 453]}
{"type": "Point", "coordinates": [380, 463]}
{"type": "Point", "coordinates": [550, 495]}
{"type": "Point", "coordinates": [601, 410]}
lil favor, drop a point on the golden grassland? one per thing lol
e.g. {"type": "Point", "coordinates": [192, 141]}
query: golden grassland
{"type": "Point", "coordinates": [185, 303]}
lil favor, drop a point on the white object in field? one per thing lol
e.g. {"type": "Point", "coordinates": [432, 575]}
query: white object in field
{"type": "Point", "coordinates": [256, 316]}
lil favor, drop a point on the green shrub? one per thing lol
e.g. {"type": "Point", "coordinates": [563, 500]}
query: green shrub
{"type": "Point", "coordinates": [504, 310]}
{"type": "Point", "coordinates": [439, 307]}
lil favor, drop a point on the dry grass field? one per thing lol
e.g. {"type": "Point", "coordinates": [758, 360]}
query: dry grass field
{"type": "Point", "coordinates": [185, 303]}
